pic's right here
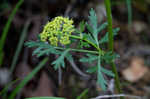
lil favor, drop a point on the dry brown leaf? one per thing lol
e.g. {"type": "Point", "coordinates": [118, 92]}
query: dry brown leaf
{"type": "Point", "coordinates": [22, 70]}
{"type": "Point", "coordinates": [44, 88]}
{"type": "Point", "coordinates": [136, 70]}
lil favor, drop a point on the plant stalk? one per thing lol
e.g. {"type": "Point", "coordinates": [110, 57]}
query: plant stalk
{"type": "Point", "coordinates": [111, 43]}
{"type": "Point", "coordinates": [79, 50]}
{"type": "Point", "coordinates": [129, 7]}
{"type": "Point", "coordinates": [94, 45]}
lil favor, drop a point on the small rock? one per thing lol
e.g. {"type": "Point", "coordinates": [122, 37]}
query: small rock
{"type": "Point", "coordinates": [136, 70]}
{"type": "Point", "coordinates": [139, 26]}
{"type": "Point", "coordinates": [4, 76]}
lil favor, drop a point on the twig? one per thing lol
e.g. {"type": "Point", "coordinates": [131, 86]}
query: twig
{"type": "Point", "coordinates": [111, 86]}
{"type": "Point", "coordinates": [117, 95]}
{"type": "Point", "coordinates": [59, 73]}
{"type": "Point", "coordinates": [78, 70]}
{"type": "Point", "coordinates": [59, 76]}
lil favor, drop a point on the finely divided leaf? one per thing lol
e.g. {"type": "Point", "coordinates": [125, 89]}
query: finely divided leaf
{"type": "Point", "coordinates": [83, 44]}
{"type": "Point", "coordinates": [110, 57]}
{"type": "Point", "coordinates": [34, 44]}
{"type": "Point", "coordinates": [93, 19]}
{"type": "Point", "coordinates": [93, 69]}
{"type": "Point", "coordinates": [83, 94]}
{"type": "Point", "coordinates": [69, 57]}
{"type": "Point", "coordinates": [60, 61]}
{"type": "Point", "coordinates": [102, 27]}
{"type": "Point", "coordinates": [105, 38]}
{"type": "Point", "coordinates": [89, 28]}
{"type": "Point", "coordinates": [92, 27]}
{"type": "Point", "coordinates": [108, 72]}
{"type": "Point", "coordinates": [89, 37]}
{"type": "Point", "coordinates": [90, 58]}
{"type": "Point", "coordinates": [82, 26]}
{"type": "Point", "coordinates": [42, 48]}
{"type": "Point", "coordinates": [100, 79]}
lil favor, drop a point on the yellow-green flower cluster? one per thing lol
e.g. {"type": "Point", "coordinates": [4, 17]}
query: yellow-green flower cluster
{"type": "Point", "coordinates": [58, 31]}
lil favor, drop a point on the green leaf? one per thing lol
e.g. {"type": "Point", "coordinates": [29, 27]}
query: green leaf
{"type": "Point", "coordinates": [89, 28]}
{"type": "Point", "coordinates": [101, 81]}
{"type": "Point", "coordinates": [110, 57]}
{"type": "Point", "coordinates": [105, 38]}
{"type": "Point", "coordinates": [83, 94]}
{"type": "Point", "coordinates": [69, 57]}
{"type": "Point", "coordinates": [83, 44]}
{"type": "Point", "coordinates": [102, 27]}
{"type": "Point", "coordinates": [90, 58]}
{"type": "Point", "coordinates": [93, 20]}
{"type": "Point", "coordinates": [115, 30]}
{"type": "Point", "coordinates": [82, 26]}
{"type": "Point", "coordinates": [108, 72]}
{"type": "Point", "coordinates": [35, 44]}
{"type": "Point", "coordinates": [27, 79]}
{"type": "Point", "coordinates": [60, 60]}
{"type": "Point", "coordinates": [37, 50]}
{"type": "Point", "coordinates": [42, 48]}
{"type": "Point", "coordinates": [46, 98]}
{"type": "Point", "coordinates": [92, 27]}
{"type": "Point", "coordinates": [89, 37]}
{"type": "Point", "coordinates": [44, 52]}
{"type": "Point", "coordinates": [38, 37]}
{"type": "Point", "coordinates": [92, 69]}
{"type": "Point", "coordinates": [77, 31]}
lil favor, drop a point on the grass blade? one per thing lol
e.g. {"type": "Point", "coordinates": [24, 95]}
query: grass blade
{"type": "Point", "coordinates": [19, 47]}
{"type": "Point", "coordinates": [129, 11]}
{"type": "Point", "coordinates": [27, 79]}
{"type": "Point", "coordinates": [6, 28]}
{"type": "Point", "coordinates": [4, 91]}
{"type": "Point", "coordinates": [83, 94]}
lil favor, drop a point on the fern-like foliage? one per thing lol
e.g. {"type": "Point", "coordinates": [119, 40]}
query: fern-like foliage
{"type": "Point", "coordinates": [59, 62]}
{"type": "Point", "coordinates": [105, 38]}
{"type": "Point", "coordinates": [90, 58]}
{"type": "Point", "coordinates": [93, 27]}
{"type": "Point", "coordinates": [84, 40]}
{"type": "Point", "coordinates": [42, 48]}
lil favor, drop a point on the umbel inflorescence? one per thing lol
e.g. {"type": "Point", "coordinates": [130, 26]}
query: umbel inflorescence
{"type": "Point", "coordinates": [58, 31]}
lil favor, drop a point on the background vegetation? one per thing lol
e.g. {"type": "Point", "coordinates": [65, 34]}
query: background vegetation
{"type": "Point", "coordinates": [23, 20]}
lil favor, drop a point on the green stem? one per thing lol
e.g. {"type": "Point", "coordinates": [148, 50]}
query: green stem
{"type": "Point", "coordinates": [111, 42]}
{"type": "Point", "coordinates": [77, 37]}
{"type": "Point", "coordinates": [78, 50]}
{"type": "Point", "coordinates": [129, 12]}
{"type": "Point", "coordinates": [109, 19]}
{"type": "Point", "coordinates": [97, 47]}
